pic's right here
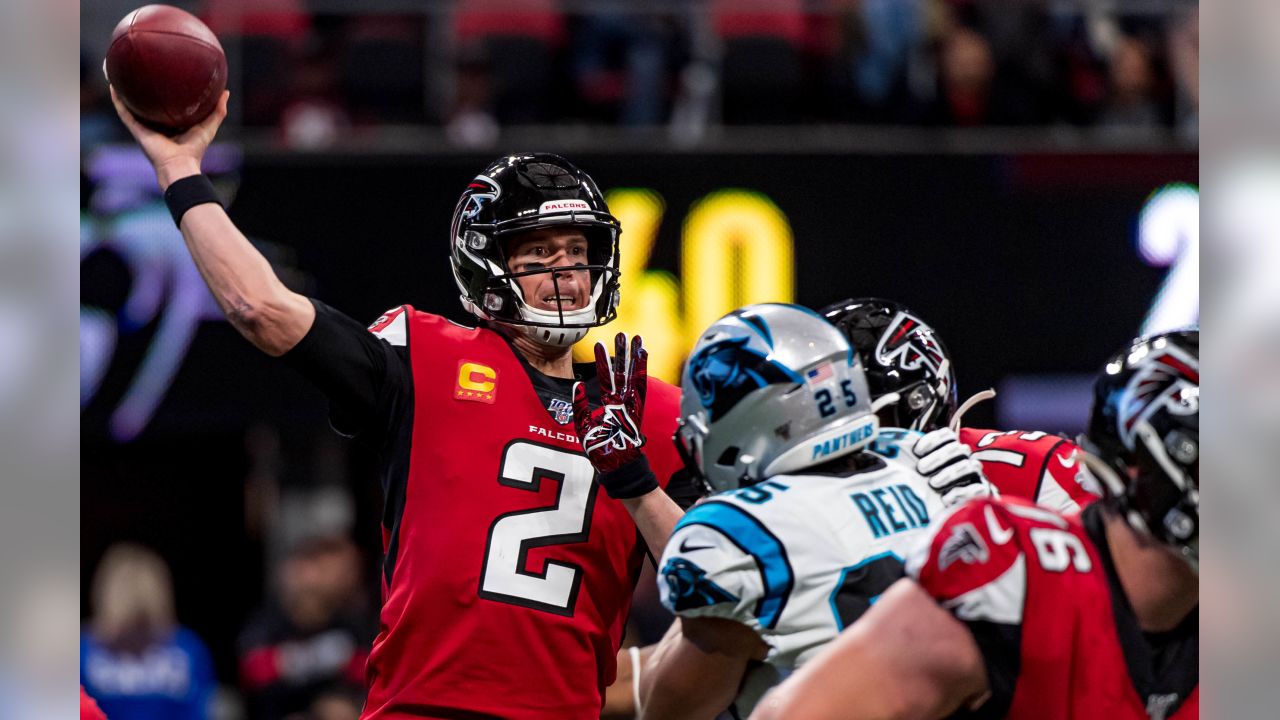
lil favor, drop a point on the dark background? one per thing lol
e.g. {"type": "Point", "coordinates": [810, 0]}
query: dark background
{"type": "Point", "coordinates": [1025, 264]}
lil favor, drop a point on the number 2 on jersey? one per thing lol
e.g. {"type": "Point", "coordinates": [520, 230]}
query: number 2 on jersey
{"type": "Point", "coordinates": [504, 577]}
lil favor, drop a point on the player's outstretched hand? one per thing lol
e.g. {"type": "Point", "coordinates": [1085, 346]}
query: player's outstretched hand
{"type": "Point", "coordinates": [177, 156]}
{"type": "Point", "coordinates": [950, 468]}
{"type": "Point", "coordinates": [610, 434]}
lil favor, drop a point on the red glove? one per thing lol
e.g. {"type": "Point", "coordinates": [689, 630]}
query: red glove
{"type": "Point", "coordinates": [611, 433]}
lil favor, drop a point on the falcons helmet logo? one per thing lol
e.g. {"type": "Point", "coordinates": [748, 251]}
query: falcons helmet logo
{"type": "Point", "coordinates": [480, 191]}
{"type": "Point", "coordinates": [1169, 380]}
{"type": "Point", "coordinates": [909, 344]}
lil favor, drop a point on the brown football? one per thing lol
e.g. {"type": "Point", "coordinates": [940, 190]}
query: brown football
{"type": "Point", "coordinates": [167, 66]}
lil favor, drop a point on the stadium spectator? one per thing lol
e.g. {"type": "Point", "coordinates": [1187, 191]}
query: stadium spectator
{"type": "Point", "coordinates": [882, 36]}
{"type": "Point", "coordinates": [1131, 101]}
{"type": "Point", "coordinates": [1184, 57]}
{"type": "Point", "coordinates": [313, 637]}
{"type": "Point", "coordinates": [135, 659]}
{"type": "Point", "coordinates": [619, 62]}
{"type": "Point", "coordinates": [966, 73]}
{"type": "Point", "coordinates": [470, 122]}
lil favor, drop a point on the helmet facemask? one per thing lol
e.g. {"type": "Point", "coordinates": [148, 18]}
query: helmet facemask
{"type": "Point", "coordinates": [523, 193]}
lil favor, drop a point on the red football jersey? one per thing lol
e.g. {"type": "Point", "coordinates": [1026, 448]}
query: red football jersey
{"type": "Point", "coordinates": [1058, 636]}
{"type": "Point", "coordinates": [1034, 466]}
{"type": "Point", "coordinates": [509, 573]}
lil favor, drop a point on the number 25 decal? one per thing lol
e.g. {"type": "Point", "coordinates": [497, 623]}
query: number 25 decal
{"type": "Point", "coordinates": [827, 404]}
{"type": "Point", "coordinates": [504, 576]}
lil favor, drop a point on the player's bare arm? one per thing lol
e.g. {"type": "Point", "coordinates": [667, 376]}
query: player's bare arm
{"type": "Point", "coordinates": [256, 303]}
{"type": "Point", "coordinates": [621, 698]}
{"type": "Point", "coordinates": [906, 658]}
{"type": "Point", "coordinates": [697, 675]}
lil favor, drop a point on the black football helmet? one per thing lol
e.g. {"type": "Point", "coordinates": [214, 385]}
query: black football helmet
{"type": "Point", "coordinates": [1145, 430]}
{"type": "Point", "coordinates": [900, 354]}
{"type": "Point", "coordinates": [529, 191]}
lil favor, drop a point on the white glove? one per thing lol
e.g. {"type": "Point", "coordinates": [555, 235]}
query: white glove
{"type": "Point", "coordinates": [950, 468]}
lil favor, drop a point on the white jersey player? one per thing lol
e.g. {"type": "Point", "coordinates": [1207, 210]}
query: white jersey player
{"type": "Point", "coordinates": [806, 530]}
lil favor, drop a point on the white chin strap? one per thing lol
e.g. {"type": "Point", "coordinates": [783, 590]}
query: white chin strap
{"type": "Point", "coordinates": [967, 405]}
{"type": "Point", "coordinates": [553, 336]}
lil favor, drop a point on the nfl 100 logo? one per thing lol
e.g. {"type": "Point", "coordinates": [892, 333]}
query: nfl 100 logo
{"type": "Point", "coordinates": [561, 410]}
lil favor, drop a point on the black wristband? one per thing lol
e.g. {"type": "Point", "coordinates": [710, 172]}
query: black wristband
{"type": "Point", "coordinates": [630, 481]}
{"type": "Point", "coordinates": [188, 192]}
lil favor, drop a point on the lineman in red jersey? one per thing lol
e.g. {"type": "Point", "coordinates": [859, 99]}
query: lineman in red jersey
{"type": "Point", "coordinates": [1035, 466]}
{"type": "Point", "coordinates": [508, 575]}
{"type": "Point", "coordinates": [1025, 613]}
{"type": "Point", "coordinates": [910, 375]}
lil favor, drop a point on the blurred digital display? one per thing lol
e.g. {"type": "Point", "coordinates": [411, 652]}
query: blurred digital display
{"type": "Point", "coordinates": [141, 284]}
{"type": "Point", "coordinates": [1169, 236]}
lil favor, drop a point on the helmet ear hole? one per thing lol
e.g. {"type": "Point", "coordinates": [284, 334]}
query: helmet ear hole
{"type": "Point", "coordinates": [918, 398]}
{"type": "Point", "coordinates": [728, 457]}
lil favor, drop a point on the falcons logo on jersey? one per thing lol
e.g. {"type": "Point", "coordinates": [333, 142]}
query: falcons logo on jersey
{"type": "Point", "coordinates": [1170, 380]}
{"type": "Point", "coordinates": [908, 343]}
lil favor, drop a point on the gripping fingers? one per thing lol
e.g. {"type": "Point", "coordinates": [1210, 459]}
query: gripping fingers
{"type": "Point", "coordinates": [943, 457]}
{"type": "Point", "coordinates": [964, 493]}
{"type": "Point", "coordinates": [965, 472]}
{"type": "Point", "coordinates": [933, 440]}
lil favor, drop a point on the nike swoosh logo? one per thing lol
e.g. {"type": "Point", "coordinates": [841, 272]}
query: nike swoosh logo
{"type": "Point", "coordinates": [1068, 462]}
{"type": "Point", "coordinates": [999, 535]}
{"type": "Point", "coordinates": [686, 547]}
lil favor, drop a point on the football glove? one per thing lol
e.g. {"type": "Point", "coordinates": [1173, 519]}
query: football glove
{"type": "Point", "coordinates": [610, 434]}
{"type": "Point", "coordinates": [950, 468]}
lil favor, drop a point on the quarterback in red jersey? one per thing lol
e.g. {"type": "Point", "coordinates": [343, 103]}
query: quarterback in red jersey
{"type": "Point", "coordinates": [1020, 612]}
{"type": "Point", "coordinates": [910, 374]}
{"type": "Point", "coordinates": [507, 575]}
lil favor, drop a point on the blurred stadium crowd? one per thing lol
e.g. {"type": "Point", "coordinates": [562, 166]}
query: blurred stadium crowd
{"type": "Point", "coordinates": [312, 70]}
{"type": "Point", "coordinates": [301, 655]}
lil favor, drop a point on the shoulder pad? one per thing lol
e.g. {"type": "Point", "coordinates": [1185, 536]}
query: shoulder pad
{"type": "Point", "coordinates": [722, 561]}
{"type": "Point", "coordinates": [392, 326]}
{"type": "Point", "coordinates": [973, 562]}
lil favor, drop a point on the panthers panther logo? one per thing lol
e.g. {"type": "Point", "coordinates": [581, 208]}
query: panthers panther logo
{"type": "Point", "coordinates": [689, 587]}
{"type": "Point", "coordinates": [726, 371]}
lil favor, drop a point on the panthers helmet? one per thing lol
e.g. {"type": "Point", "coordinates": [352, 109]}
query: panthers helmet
{"type": "Point", "coordinates": [529, 191]}
{"type": "Point", "coordinates": [770, 389]}
{"type": "Point", "coordinates": [900, 354]}
{"type": "Point", "coordinates": [1145, 429]}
